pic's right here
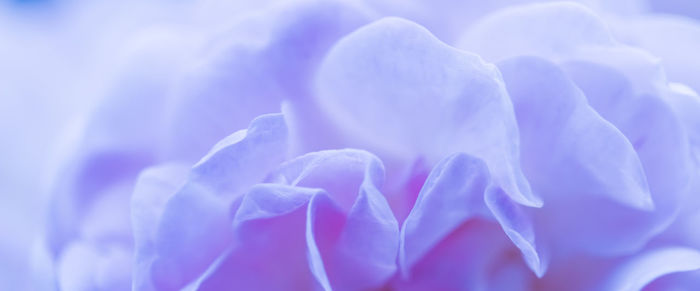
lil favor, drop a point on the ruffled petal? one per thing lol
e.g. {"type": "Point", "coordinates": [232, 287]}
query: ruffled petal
{"type": "Point", "coordinates": [391, 84]}
{"type": "Point", "coordinates": [270, 227]}
{"type": "Point", "coordinates": [333, 245]}
{"type": "Point", "coordinates": [364, 254]}
{"type": "Point", "coordinates": [456, 191]}
{"type": "Point", "coordinates": [198, 215]}
{"type": "Point", "coordinates": [452, 194]}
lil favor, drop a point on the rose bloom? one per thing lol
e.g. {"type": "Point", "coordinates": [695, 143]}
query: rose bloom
{"type": "Point", "coordinates": [385, 145]}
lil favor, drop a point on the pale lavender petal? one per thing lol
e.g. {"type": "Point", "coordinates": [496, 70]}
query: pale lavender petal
{"type": "Point", "coordinates": [517, 224]}
{"type": "Point", "coordinates": [559, 129]}
{"type": "Point", "coordinates": [650, 124]}
{"type": "Point", "coordinates": [250, 68]}
{"type": "Point", "coordinates": [367, 248]}
{"type": "Point", "coordinates": [333, 244]}
{"type": "Point", "coordinates": [198, 215]}
{"type": "Point", "coordinates": [153, 189]}
{"type": "Point", "coordinates": [545, 29]}
{"type": "Point", "coordinates": [120, 136]}
{"type": "Point", "coordinates": [672, 39]}
{"type": "Point", "coordinates": [474, 256]}
{"type": "Point", "coordinates": [269, 227]}
{"type": "Point", "coordinates": [642, 70]}
{"type": "Point", "coordinates": [84, 266]}
{"type": "Point", "coordinates": [364, 254]}
{"type": "Point", "coordinates": [579, 163]}
{"type": "Point", "coordinates": [638, 271]}
{"type": "Point", "coordinates": [452, 194]}
{"type": "Point", "coordinates": [406, 85]}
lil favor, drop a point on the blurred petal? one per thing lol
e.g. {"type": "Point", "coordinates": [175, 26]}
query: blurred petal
{"type": "Point", "coordinates": [121, 135]}
{"type": "Point", "coordinates": [251, 68]}
{"type": "Point", "coordinates": [391, 84]}
{"type": "Point", "coordinates": [86, 267]}
{"type": "Point", "coordinates": [672, 39]}
{"type": "Point", "coordinates": [154, 188]}
{"type": "Point", "coordinates": [543, 29]}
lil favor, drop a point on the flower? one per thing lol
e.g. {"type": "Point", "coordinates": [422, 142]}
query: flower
{"type": "Point", "coordinates": [526, 147]}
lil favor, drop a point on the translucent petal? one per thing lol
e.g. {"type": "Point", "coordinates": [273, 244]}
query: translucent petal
{"type": "Point", "coordinates": [198, 215]}
{"type": "Point", "coordinates": [327, 245]}
{"type": "Point", "coordinates": [391, 84]}
{"type": "Point", "coordinates": [587, 172]}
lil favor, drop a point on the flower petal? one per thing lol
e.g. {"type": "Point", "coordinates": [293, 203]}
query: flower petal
{"type": "Point", "coordinates": [270, 227]}
{"type": "Point", "coordinates": [640, 270]}
{"type": "Point", "coordinates": [83, 266]}
{"type": "Point", "coordinates": [364, 254]}
{"type": "Point", "coordinates": [391, 84]}
{"type": "Point", "coordinates": [249, 69]}
{"type": "Point", "coordinates": [650, 124]}
{"type": "Point", "coordinates": [343, 247]}
{"type": "Point", "coordinates": [580, 164]}
{"type": "Point", "coordinates": [457, 190]}
{"type": "Point", "coordinates": [542, 29]}
{"type": "Point", "coordinates": [452, 194]}
{"type": "Point", "coordinates": [153, 189]}
{"type": "Point", "coordinates": [198, 215]}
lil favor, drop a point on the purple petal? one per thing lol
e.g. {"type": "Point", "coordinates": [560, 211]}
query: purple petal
{"type": "Point", "coordinates": [543, 29]}
{"type": "Point", "coordinates": [121, 136]}
{"type": "Point", "coordinates": [250, 68]}
{"type": "Point", "coordinates": [364, 254]}
{"type": "Point", "coordinates": [672, 39]}
{"type": "Point", "coordinates": [153, 189]}
{"type": "Point", "coordinates": [517, 224]}
{"type": "Point", "coordinates": [474, 256]}
{"type": "Point", "coordinates": [198, 215]}
{"type": "Point", "coordinates": [391, 83]}
{"type": "Point", "coordinates": [580, 164]}
{"type": "Point", "coordinates": [83, 266]}
{"type": "Point", "coordinates": [328, 243]}
{"type": "Point", "coordinates": [270, 227]}
{"type": "Point", "coordinates": [652, 127]}
{"type": "Point", "coordinates": [452, 194]}
{"type": "Point", "coordinates": [638, 271]}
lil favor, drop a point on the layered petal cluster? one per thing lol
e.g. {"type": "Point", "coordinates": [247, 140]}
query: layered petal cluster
{"type": "Point", "coordinates": [534, 147]}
